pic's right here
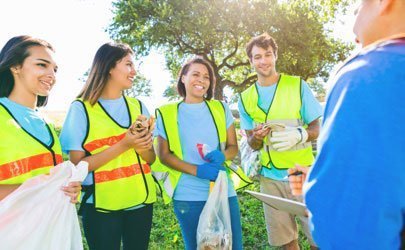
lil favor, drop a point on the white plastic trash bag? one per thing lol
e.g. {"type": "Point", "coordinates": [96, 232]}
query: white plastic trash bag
{"type": "Point", "coordinates": [250, 159]}
{"type": "Point", "coordinates": [214, 227]}
{"type": "Point", "coordinates": [38, 215]}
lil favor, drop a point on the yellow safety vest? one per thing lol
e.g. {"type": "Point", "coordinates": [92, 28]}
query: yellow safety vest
{"type": "Point", "coordinates": [126, 181]}
{"type": "Point", "coordinates": [168, 177]}
{"type": "Point", "coordinates": [284, 108]}
{"type": "Point", "coordinates": [22, 155]}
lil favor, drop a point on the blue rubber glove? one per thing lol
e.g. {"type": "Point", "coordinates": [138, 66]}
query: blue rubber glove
{"type": "Point", "coordinates": [216, 157]}
{"type": "Point", "coordinates": [208, 171]}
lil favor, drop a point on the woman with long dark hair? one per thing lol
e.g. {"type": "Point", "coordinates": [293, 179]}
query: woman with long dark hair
{"type": "Point", "coordinates": [29, 145]}
{"type": "Point", "coordinates": [120, 191]}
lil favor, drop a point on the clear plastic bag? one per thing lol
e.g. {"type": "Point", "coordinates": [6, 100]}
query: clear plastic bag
{"type": "Point", "coordinates": [214, 227]}
{"type": "Point", "coordinates": [250, 159]}
{"type": "Point", "coordinates": [38, 215]}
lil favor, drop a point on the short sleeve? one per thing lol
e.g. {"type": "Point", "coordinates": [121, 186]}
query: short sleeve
{"type": "Point", "coordinates": [246, 122]}
{"type": "Point", "coordinates": [228, 115]}
{"type": "Point", "coordinates": [311, 108]}
{"type": "Point", "coordinates": [160, 130]}
{"type": "Point", "coordinates": [74, 128]}
{"type": "Point", "coordinates": [145, 110]}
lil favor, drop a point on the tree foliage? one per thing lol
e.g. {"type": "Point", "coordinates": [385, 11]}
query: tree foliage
{"type": "Point", "coordinates": [171, 93]}
{"type": "Point", "coordinates": [218, 30]}
{"type": "Point", "coordinates": [141, 86]}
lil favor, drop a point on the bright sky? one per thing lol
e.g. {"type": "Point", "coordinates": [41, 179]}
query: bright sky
{"type": "Point", "coordinates": [76, 28]}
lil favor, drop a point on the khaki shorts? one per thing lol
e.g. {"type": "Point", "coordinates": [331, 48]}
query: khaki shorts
{"type": "Point", "coordinates": [281, 226]}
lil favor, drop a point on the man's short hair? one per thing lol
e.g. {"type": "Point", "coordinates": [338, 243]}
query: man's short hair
{"type": "Point", "coordinates": [263, 41]}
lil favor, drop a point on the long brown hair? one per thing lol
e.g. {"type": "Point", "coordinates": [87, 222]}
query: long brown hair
{"type": "Point", "coordinates": [181, 89]}
{"type": "Point", "coordinates": [13, 54]}
{"type": "Point", "coordinates": [105, 59]}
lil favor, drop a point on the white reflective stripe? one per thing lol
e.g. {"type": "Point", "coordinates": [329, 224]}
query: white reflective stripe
{"type": "Point", "coordinates": [233, 166]}
{"type": "Point", "coordinates": [222, 145]}
{"type": "Point", "coordinates": [299, 146]}
{"type": "Point", "coordinates": [168, 187]}
{"type": "Point", "coordinates": [287, 122]}
{"type": "Point", "coordinates": [160, 175]}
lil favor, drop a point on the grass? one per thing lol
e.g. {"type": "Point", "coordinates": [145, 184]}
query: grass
{"type": "Point", "coordinates": [166, 233]}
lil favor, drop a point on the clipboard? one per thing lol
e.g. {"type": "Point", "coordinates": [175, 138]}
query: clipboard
{"type": "Point", "coordinates": [289, 206]}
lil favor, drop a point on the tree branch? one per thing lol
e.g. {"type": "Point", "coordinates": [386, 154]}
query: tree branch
{"type": "Point", "coordinates": [184, 46]}
{"type": "Point", "coordinates": [233, 84]}
{"type": "Point", "coordinates": [248, 80]}
{"type": "Point", "coordinates": [230, 83]}
{"type": "Point", "coordinates": [232, 67]}
{"type": "Point", "coordinates": [224, 61]}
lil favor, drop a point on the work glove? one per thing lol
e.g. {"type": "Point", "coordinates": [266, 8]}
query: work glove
{"type": "Point", "coordinates": [283, 141]}
{"type": "Point", "coordinates": [216, 157]}
{"type": "Point", "coordinates": [208, 171]}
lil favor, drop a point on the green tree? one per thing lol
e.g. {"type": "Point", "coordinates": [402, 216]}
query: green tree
{"type": "Point", "coordinates": [316, 85]}
{"type": "Point", "coordinates": [171, 92]}
{"type": "Point", "coordinates": [173, 63]}
{"type": "Point", "coordinates": [218, 30]}
{"type": "Point", "coordinates": [141, 86]}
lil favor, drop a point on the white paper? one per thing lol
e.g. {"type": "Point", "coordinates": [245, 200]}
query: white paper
{"type": "Point", "coordinates": [290, 206]}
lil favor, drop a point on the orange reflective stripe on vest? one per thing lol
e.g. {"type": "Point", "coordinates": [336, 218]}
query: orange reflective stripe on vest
{"type": "Point", "coordinates": [108, 141]}
{"type": "Point", "coordinates": [122, 172]}
{"type": "Point", "coordinates": [126, 180]}
{"type": "Point", "coordinates": [22, 155]}
{"type": "Point", "coordinates": [25, 165]}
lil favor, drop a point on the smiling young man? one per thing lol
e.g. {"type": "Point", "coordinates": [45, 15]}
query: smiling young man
{"type": "Point", "coordinates": [356, 189]}
{"type": "Point", "coordinates": [285, 100]}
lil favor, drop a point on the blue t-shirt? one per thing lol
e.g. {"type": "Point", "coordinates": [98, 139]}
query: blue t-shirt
{"type": "Point", "coordinates": [196, 125]}
{"type": "Point", "coordinates": [29, 119]}
{"type": "Point", "coordinates": [75, 126]}
{"type": "Point", "coordinates": [356, 188]}
{"type": "Point", "coordinates": [310, 111]}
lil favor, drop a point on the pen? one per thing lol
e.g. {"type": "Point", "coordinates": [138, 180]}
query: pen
{"type": "Point", "coordinates": [296, 173]}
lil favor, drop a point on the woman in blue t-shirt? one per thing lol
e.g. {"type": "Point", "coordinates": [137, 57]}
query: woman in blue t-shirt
{"type": "Point", "coordinates": [30, 147]}
{"type": "Point", "coordinates": [196, 125]}
{"type": "Point", "coordinates": [119, 192]}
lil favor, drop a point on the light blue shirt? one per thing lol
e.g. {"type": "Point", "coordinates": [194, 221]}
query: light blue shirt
{"type": "Point", "coordinates": [75, 126]}
{"type": "Point", "coordinates": [29, 119]}
{"type": "Point", "coordinates": [196, 125]}
{"type": "Point", "coordinates": [310, 111]}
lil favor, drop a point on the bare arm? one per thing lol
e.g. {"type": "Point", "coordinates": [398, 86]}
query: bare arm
{"type": "Point", "coordinates": [256, 137]}
{"type": "Point", "coordinates": [231, 149]}
{"type": "Point", "coordinates": [313, 130]}
{"type": "Point", "coordinates": [5, 190]}
{"type": "Point", "coordinates": [169, 159]}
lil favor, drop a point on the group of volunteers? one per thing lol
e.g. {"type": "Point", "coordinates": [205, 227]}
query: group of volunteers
{"type": "Point", "coordinates": [355, 192]}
